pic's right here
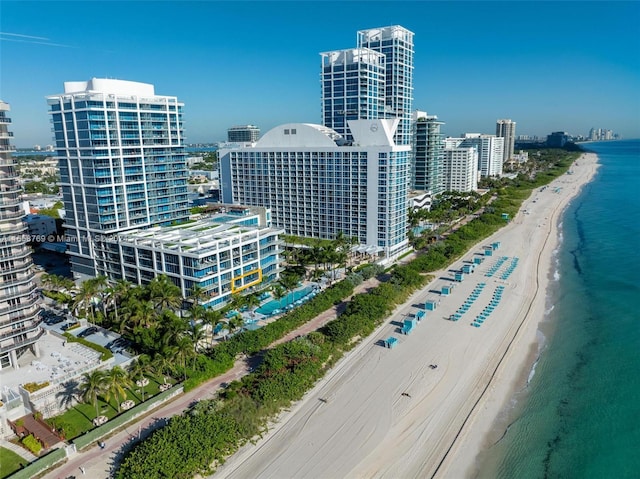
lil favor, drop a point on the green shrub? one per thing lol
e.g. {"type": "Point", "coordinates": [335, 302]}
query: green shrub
{"type": "Point", "coordinates": [32, 444]}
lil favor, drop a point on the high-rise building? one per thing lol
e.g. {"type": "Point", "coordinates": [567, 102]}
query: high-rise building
{"type": "Point", "coordinates": [396, 43]}
{"type": "Point", "coordinates": [461, 171]}
{"type": "Point", "coordinates": [122, 166]}
{"type": "Point", "coordinates": [19, 303]}
{"type": "Point", "coordinates": [243, 134]}
{"type": "Point", "coordinates": [360, 84]}
{"type": "Point", "coordinates": [428, 146]}
{"type": "Point", "coordinates": [352, 87]}
{"type": "Point", "coordinates": [506, 129]}
{"type": "Point", "coordinates": [318, 186]}
{"type": "Point", "coordinates": [490, 150]}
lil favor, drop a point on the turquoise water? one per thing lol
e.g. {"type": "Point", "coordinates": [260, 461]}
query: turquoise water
{"type": "Point", "coordinates": [579, 416]}
{"type": "Point", "coordinates": [290, 298]}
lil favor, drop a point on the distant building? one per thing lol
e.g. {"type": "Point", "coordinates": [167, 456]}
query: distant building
{"type": "Point", "coordinates": [490, 150]}
{"type": "Point", "coordinates": [461, 169]}
{"type": "Point", "coordinates": [243, 133]}
{"type": "Point", "coordinates": [317, 186]}
{"type": "Point", "coordinates": [40, 226]}
{"type": "Point", "coordinates": [557, 139]}
{"type": "Point", "coordinates": [428, 146]}
{"type": "Point", "coordinates": [506, 129]}
{"type": "Point", "coordinates": [19, 298]}
{"type": "Point", "coordinates": [133, 141]}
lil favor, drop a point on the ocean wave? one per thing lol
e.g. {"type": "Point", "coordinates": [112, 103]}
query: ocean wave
{"type": "Point", "coordinates": [556, 275]}
{"type": "Point", "coordinates": [548, 311]}
{"type": "Point", "coordinates": [532, 373]}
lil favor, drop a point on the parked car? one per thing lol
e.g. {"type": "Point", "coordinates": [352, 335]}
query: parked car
{"type": "Point", "coordinates": [53, 320]}
{"type": "Point", "coordinates": [118, 345]}
{"type": "Point", "coordinates": [88, 332]}
{"type": "Point", "coordinates": [66, 326]}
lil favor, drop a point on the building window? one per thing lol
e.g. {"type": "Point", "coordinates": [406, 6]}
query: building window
{"type": "Point", "coordinates": [286, 132]}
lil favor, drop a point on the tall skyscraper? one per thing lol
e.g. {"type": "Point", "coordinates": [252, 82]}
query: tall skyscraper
{"type": "Point", "coordinates": [243, 134]}
{"type": "Point", "coordinates": [19, 306]}
{"type": "Point", "coordinates": [396, 43]}
{"type": "Point", "coordinates": [122, 166]}
{"type": "Point", "coordinates": [352, 87]}
{"type": "Point", "coordinates": [428, 146]}
{"type": "Point", "coordinates": [363, 94]}
{"type": "Point", "coordinates": [507, 129]}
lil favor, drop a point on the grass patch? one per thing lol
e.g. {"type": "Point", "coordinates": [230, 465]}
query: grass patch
{"type": "Point", "coordinates": [10, 462]}
{"type": "Point", "coordinates": [79, 419]}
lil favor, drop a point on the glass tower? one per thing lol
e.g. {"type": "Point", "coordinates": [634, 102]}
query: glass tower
{"type": "Point", "coordinates": [428, 146]}
{"type": "Point", "coordinates": [352, 87]}
{"type": "Point", "coordinates": [19, 304]}
{"type": "Point", "coordinates": [396, 44]}
{"type": "Point", "coordinates": [122, 166]}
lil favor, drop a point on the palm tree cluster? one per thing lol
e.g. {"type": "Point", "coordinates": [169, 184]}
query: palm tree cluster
{"type": "Point", "coordinates": [323, 255]}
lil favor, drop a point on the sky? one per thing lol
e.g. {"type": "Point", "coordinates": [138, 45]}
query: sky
{"type": "Point", "coordinates": [549, 66]}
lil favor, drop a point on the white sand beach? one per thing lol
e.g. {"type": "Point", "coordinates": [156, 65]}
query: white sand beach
{"type": "Point", "coordinates": [357, 423]}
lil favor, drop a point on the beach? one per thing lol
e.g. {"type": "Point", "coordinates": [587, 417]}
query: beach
{"type": "Point", "coordinates": [387, 412]}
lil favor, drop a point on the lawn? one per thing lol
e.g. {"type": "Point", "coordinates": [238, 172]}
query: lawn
{"type": "Point", "coordinates": [10, 462]}
{"type": "Point", "coordinates": [79, 418]}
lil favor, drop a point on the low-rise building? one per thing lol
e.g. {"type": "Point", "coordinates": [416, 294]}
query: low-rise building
{"type": "Point", "coordinates": [231, 251]}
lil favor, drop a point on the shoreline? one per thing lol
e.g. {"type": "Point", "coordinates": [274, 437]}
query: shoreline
{"type": "Point", "coordinates": [499, 403]}
{"type": "Point", "coordinates": [370, 428]}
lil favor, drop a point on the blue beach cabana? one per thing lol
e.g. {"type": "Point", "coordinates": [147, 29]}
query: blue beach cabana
{"type": "Point", "coordinates": [430, 305]}
{"type": "Point", "coordinates": [420, 315]}
{"type": "Point", "coordinates": [390, 342]}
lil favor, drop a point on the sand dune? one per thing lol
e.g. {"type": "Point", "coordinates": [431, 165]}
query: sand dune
{"type": "Point", "coordinates": [356, 423]}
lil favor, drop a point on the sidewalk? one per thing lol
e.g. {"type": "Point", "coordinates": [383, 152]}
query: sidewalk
{"type": "Point", "coordinates": [20, 451]}
{"type": "Point", "coordinates": [98, 463]}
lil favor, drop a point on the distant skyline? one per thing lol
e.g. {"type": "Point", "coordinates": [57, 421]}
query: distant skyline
{"type": "Point", "coordinates": [548, 66]}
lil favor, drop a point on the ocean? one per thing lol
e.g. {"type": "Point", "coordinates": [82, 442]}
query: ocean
{"type": "Point", "coordinates": [579, 414]}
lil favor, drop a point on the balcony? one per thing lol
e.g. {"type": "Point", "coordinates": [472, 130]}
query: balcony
{"type": "Point", "coordinates": [22, 343]}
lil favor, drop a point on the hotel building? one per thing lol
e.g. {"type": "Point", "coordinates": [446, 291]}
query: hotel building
{"type": "Point", "coordinates": [122, 164]}
{"type": "Point", "coordinates": [317, 186]}
{"type": "Point", "coordinates": [507, 129]}
{"type": "Point", "coordinates": [230, 252]}
{"type": "Point", "coordinates": [428, 146]}
{"type": "Point", "coordinates": [19, 304]}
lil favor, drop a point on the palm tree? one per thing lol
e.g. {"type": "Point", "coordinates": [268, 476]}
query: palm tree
{"type": "Point", "coordinates": [197, 334]}
{"type": "Point", "coordinates": [116, 381]}
{"type": "Point", "coordinates": [164, 294]}
{"type": "Point", "coordinates": [139, 368]}
{"type": "Point", "coordinates": [252, 302]}
{"type": "Point", "coordinates": [163, 364]}
{"type": "Point", "coordinates": [116, 293]}
{"type": "Point", "coordinates": [92, 387]}
{"type": "Point", "coordinates": [84, 298]}
{"type": "Point", "coordinates": [198, 294]}
{"type": "Point", "coordinates": [278, 292]}
{"type": "Point", "coordinates": [212, 317]}
{"type": "Point", "coordinates": [144, 315]}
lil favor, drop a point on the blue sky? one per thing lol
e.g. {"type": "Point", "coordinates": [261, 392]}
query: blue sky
{"type": "Point", "coordinates": [547, 65]}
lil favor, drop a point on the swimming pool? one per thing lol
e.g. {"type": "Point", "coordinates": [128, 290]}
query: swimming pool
{"type": "Point", "coordinates": [290, 298]}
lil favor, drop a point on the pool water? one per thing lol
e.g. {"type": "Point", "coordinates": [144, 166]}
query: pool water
{"type": "Point", "coordinates": [290, 298]}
